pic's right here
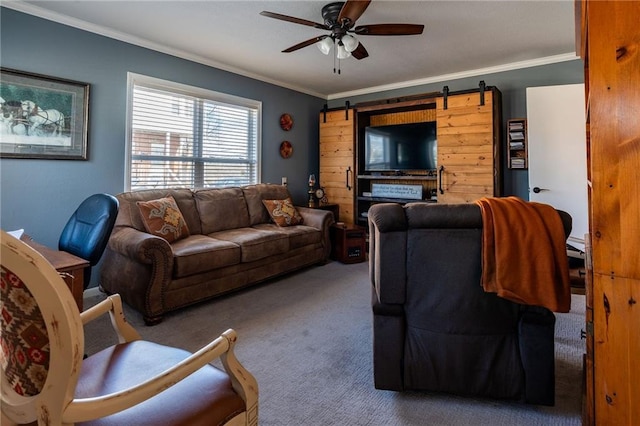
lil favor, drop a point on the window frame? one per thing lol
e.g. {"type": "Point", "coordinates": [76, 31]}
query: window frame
{"type": "Point", "coordinates": [134, 79]}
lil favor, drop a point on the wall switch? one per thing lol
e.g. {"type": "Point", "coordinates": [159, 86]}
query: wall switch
{"type": "Point", "coordinates": [284, 181]}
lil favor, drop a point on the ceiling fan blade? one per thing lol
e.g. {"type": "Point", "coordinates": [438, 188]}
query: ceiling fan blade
{"type": "Point", "coordinates": [352, 10]}
{"type": "Point", "coordinates": [360, 52]}
{"type": "Point", "coordinates": [389, 29]}
{"type": "Point", "coordinates": [305, 44]}
{"type": "Point", "coordinates": [294, 20]}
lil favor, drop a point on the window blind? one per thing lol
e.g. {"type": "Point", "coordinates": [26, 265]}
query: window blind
{"type": "Point", "coordinates": [179, 139]}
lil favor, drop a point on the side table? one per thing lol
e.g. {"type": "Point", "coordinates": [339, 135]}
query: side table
{"type": "Point", "coordinates": [71, 266]}
{"type": "Point", "coordinates": [348, 243]}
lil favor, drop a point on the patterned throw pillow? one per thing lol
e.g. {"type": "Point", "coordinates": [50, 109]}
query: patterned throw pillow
{"type": "Point", "coordinates": [24, 341]}
{"type": "Point", "coordinates": [283, 212]}
{"type": "Point", "coordinates": [163, 218]}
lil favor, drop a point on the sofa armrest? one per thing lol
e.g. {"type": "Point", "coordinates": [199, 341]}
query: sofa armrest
{"type": "Point", "coordinates": [321, 220]}
{"type": "Point", "coordinates": [140, 246]}
{"type": "Point", "coordinates": [388, 252]}
{"type": "Point", "coordinates": [536, 336]}
{"type": "Point", "coordinates": [388, 344]}
{"type": "Point", "coordinates": [138, 266]}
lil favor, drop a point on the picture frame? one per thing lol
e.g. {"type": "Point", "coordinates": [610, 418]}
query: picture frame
{"type": "Point", "coordinates": [42, 117]}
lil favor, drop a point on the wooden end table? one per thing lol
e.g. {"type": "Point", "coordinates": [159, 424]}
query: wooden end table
{"type": "Point", "coordinates": [71, 266]}
{"type": "Point", "coordinates": [348, 243]}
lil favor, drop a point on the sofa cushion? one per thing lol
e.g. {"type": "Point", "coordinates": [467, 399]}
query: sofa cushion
{"type": "Point", "coordinates": [299, 236]}
{"type": "Point", "coordinates": [163, 218]}
{"type": "Point", "coordinates": [283, 212]}
{"type": "Point", "coordinates": [255, 243]}
{"type": "Point", "coordinates": [129, 213]}
{"type": "Point", "coordinates": [254, 194]}
{"type": "Point", "coordinates": [221, 209]}
{"type": "Point", "coordinates": [200, 253]}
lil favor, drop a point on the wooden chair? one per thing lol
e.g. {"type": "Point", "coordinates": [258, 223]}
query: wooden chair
{"type": "Point", "coordinates": [46, 380]}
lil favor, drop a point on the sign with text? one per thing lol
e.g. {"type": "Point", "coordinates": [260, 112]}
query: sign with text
{"type": "Point", "coordinates": [410, 192]}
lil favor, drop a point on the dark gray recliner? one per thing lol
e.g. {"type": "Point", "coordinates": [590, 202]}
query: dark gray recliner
{"type": "Point", "coordinates": [434, 327]}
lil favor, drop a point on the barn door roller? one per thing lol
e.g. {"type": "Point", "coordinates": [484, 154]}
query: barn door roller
{"type": "Point", "coordinates": [445, 95]}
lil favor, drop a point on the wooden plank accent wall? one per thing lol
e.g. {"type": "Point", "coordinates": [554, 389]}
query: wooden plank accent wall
{"type": "Point", "coordinates": [404, 117]}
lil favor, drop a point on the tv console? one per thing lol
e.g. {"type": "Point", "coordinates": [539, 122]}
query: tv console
{"type": "Point", "coordinates": [365, 183]}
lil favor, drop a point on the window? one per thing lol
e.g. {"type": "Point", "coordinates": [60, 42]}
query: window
{"type": "Point", "coordinates": [183, 136]}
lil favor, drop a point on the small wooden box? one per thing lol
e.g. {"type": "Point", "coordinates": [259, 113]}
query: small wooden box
{"type": "Point", "coordinates": [348, 243]}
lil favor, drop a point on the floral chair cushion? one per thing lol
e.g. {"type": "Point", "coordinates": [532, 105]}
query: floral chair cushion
{"type": "Point", "coordinates": [24, 342]}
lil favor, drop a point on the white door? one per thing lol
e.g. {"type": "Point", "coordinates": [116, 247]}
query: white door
{"type": "Point", "coordinates": [557, 153]}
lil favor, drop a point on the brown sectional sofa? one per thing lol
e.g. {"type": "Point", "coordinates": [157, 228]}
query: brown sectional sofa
{"type": "Point", "coordinates": [233, 243]}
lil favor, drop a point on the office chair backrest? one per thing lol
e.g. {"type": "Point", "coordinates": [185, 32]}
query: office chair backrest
{"type": "Point", "coordinates": [87, 232]}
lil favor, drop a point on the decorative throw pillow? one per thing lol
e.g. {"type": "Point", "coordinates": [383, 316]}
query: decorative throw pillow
{"type": "Point", "coordinates": [283, 212]}
{"type": "Point", "coordinates": [163, 218]}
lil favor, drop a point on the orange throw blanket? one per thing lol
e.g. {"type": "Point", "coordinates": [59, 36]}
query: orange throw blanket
{"type": "Point", "coordinates": [524, 253]}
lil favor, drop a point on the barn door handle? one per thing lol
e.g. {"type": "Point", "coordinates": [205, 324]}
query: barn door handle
{"type": "Point", "coordinates": [347, 182]}
{"type": "Point", "coordinates": [440, 172]}
{"type": "Point", "coordinates": [538, 190]}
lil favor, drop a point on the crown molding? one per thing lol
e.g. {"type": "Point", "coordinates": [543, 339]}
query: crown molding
{"type": "Point", "coordinates": [30, 9]}
{"type": "Point", "coordinates": [454, 76]}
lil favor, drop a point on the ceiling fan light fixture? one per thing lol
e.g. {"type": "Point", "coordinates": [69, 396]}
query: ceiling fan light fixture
{"type": "Point", "coordinates": [325, 45]}
{"type": "Point", "coordinates": [350, 42]}
{"type": "Point", "coordinates": [339, 18]}
{"type": "Point", "coordinates": [342, 52]}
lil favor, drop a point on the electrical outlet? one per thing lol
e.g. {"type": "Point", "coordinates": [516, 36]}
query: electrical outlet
{"type": "Point", "coordinates": [284, 181]}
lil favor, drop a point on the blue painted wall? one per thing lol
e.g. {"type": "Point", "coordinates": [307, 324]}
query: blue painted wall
{"type": "Point", "coordinates": [40, 195]}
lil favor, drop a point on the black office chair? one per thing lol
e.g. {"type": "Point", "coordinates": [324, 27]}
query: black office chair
{"type": "Point", "coordinates": [87, 232]}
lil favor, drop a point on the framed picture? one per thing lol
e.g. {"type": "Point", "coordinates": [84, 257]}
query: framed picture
{"type": "Point", "coordinates": [42, 117]}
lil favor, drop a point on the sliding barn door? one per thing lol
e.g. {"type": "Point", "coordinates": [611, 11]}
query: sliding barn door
{"type": "Point", "coordinates": [468, 146]}
{"type": "Point", "coordinates": [337, 160]}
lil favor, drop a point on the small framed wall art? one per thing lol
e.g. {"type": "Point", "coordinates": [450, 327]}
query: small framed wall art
{"type": "Point", "coordinates": [286, 122]}
{"type": "Point", "coordinates": [42, 117]}
{"type": "Point", "coordinates": [286, 149]}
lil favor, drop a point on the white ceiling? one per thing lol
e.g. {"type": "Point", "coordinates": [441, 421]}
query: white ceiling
{"type": "Point", "coordinates": [461, 38]}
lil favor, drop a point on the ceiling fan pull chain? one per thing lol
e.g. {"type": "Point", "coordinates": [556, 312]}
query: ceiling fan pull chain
{"type": "Point", "coordinates": [334, 55]}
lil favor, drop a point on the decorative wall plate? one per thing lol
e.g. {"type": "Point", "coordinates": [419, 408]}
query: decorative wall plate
{"type": "Point", "coordinates": [286, 150]}
{"type": "Point", "coordinates": [286, 122]}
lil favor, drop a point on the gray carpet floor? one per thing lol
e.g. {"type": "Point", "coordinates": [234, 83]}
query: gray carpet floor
{"type": "Point", "coordinates": [307, 338]}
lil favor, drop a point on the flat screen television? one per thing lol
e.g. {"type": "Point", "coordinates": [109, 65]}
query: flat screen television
{"type": "Point", "coordinates": [400, 147]}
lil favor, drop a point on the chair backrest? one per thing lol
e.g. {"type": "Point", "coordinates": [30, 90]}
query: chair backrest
{"type": "Point", "coordinates": [42, 340]}
{"type": "Point", "coordinates": [451, 335]}
{"type": "Point", "coordinates": [87, 232]}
